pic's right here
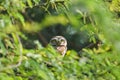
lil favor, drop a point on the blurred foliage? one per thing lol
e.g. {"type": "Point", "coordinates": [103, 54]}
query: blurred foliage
{"type": "Point", "coordinates": [115, 6]}
{"type": "Point", "coordinates": [91, 28]}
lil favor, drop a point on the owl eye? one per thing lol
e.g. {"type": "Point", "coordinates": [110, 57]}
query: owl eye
{"type": "Point", "coordinates": [62, 40]}
{"type": "Point", "coordinates": [53, 42]}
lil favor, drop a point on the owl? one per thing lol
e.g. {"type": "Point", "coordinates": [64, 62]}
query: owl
{"type": "Point", "coordinates": [60, 44]}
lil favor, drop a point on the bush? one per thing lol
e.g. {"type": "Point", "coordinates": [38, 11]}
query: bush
{"type": "Point", "coordinates": [92, 31]}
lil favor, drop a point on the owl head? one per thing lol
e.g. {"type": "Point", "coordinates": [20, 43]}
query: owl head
{"type": "Point", "coordinates": [59, 43]}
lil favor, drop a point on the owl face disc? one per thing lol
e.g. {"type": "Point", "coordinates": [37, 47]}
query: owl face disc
{"type": "Point", "coordinates": [59, 43]}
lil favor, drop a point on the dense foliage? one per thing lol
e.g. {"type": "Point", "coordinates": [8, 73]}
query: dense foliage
{"type": "Point", "coordinates": [91, 28]}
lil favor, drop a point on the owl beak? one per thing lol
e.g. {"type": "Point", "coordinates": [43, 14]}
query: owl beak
{"type": "Point", "coordinates": [59, 43]}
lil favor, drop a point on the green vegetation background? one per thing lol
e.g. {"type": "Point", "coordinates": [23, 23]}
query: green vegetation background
{"type": "Point", "coordinates": [92, 28]}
